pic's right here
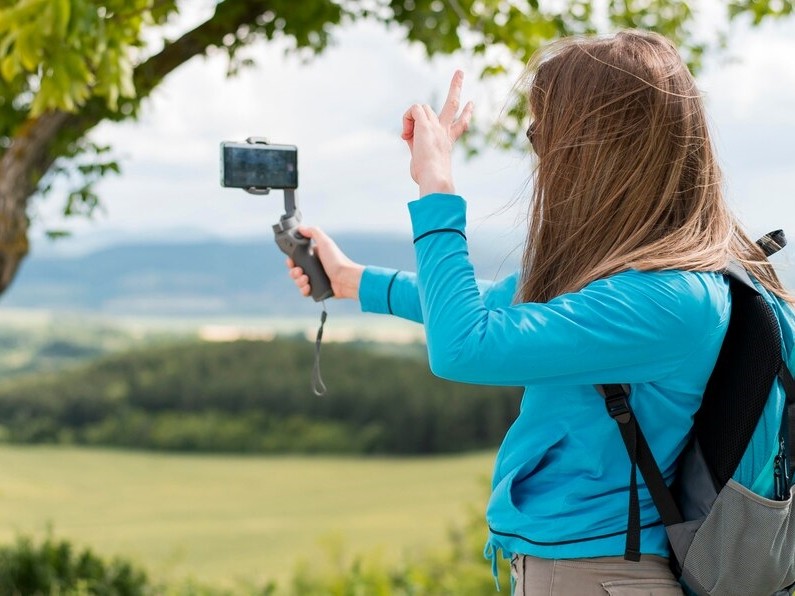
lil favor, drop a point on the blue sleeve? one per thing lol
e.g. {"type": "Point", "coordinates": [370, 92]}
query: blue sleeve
{"type": "Point", "coordinates": [389, 291]}
{"type": "Point", "coordinates": [631, 327]}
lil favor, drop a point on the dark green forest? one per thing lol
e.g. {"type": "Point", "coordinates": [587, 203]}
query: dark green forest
{"type": "Point", "coordinates": [255, 397]}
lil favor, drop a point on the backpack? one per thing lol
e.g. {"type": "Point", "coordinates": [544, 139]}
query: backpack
{"type": "Point", "coordinates": [725, 539]}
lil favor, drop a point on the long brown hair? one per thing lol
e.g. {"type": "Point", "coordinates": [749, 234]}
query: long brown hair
{"type": "Point", "coordinates": [626, 175]}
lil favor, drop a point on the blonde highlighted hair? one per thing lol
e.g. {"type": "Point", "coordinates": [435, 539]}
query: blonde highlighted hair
{"type": "Point", "coordinates": [626, 175]}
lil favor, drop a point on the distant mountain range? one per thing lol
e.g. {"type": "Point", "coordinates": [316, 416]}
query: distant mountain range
{"type": "Point", "coordinates": [202, 277]}
{"type": "Point", "coordinates": [213, 277]}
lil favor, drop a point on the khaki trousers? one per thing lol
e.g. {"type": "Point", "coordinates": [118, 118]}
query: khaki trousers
{"type": "Point", "coordinates": [599, 576]}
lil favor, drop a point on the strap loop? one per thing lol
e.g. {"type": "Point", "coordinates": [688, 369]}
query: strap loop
{"type": "Point", "coordinates": [618, 408]}
{"type": "Point", "coordinates": [616, 402]}
{"type": "Point", "coordinates": [318, 386]}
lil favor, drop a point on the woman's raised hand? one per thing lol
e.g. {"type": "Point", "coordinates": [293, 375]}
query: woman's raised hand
{"type": "Point", "coordinates": [430, 139]}
{"type": "Point", "coordinates": [343, 273]}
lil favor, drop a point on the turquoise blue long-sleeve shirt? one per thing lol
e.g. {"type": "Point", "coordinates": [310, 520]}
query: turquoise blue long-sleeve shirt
{"type": "Point", "coordinates": [561, 475]}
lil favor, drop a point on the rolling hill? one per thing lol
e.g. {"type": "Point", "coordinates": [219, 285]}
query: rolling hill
{"type": "Point", "coordinates": [197, 278]}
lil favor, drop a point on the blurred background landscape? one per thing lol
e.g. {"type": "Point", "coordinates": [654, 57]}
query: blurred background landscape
{"type": "Point", "coordinates": [156, 404]}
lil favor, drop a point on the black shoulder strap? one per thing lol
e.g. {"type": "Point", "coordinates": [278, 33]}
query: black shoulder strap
{"type": "Point", "coordinates": [738, 388]}
{"type": "Point", "coordinates": [640, 456]}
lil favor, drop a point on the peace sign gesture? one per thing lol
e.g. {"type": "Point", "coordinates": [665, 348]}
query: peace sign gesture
{"type": "Point", "coordinates": [430, 139]}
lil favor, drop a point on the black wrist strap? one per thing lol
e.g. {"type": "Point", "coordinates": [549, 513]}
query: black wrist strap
{"type": "Point", "coordinates": [318, 386]}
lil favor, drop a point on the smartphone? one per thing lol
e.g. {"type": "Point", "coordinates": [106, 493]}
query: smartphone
{"type": "Point", "coordinates": [257, 165]}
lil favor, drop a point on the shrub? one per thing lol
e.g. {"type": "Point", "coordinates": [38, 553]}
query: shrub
{"type": "Point", "coordinates": [54, 567]}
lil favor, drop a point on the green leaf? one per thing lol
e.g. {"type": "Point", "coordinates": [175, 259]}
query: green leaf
{"type": "Point", "coordinates": [27, 48]}
{"type": "Point", "coordinates": [62, 10]}
{"type": "Point", "coordinates": [10, 68]}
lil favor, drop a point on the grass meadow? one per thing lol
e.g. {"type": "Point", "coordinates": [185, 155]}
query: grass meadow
{"type": "Point", "coordinates": [231, 520]}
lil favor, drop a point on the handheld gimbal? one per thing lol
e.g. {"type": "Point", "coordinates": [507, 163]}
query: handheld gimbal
{"type": "Point", "coordinates": [258, 169]}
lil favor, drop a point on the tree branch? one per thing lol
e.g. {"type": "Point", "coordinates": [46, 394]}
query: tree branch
{"type": "Point", "coordinates": [229, 15]}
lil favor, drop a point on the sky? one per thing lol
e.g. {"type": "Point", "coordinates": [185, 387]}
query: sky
{"type": "Point", "coordinates": [343, 110]}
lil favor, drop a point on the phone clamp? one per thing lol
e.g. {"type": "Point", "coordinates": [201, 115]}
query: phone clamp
{"type": "Point", "coordinates": [253, 189]}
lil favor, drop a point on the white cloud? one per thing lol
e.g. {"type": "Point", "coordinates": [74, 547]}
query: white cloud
{"type": "Point", "coordinates": [750, 97]}
{"type": "Point", "coordinates": [758, 84]}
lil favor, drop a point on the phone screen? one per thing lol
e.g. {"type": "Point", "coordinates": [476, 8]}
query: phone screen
{"type": "Point", "coordinates": [256, 165]}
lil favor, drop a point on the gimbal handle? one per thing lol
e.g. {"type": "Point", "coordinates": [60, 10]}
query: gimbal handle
{"type": "Point", "coordinates": [299, 248]}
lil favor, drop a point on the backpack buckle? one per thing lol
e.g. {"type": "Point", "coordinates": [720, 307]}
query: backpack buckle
{"type": "Point", "coordinates": [618, 408]}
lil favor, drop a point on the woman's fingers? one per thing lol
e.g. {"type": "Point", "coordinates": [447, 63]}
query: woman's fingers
{"type": "Point", "coordinates": [461, 124]}
{"type": "Point", "coordinates": [430, 138]}
{"type": "Point", "coordinates": [450, 108]}
{"type": "Point", "coordinates": [302, 282]}
{"type": "Point", "coordinates": [448, 116]}
{"type": "Point", "coordinates": [408, 127]}
{"type": "Point", "coordinates": [298, 276]}
{"type": "Point", "coordinates": [409, 118]}
{"type": "Point", "coordinates": [343, 273]}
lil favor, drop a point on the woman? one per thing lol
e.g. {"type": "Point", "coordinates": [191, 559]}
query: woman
{"type": "Point", "coordinates": [620, 283]}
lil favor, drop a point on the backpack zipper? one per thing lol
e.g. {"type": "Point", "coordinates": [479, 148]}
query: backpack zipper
{"type": "Point", "coordinates": [780, 471]}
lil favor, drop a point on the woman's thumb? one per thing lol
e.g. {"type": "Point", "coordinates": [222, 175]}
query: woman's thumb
{"type": "Point", "coordinates": [309, 231]}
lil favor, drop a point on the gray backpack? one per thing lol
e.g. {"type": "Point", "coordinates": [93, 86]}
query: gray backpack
{"type": "Point", "coordinates": [725, 539]}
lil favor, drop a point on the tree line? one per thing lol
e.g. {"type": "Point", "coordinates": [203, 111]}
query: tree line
{"type": "Point", "coordinates": [255, 397]}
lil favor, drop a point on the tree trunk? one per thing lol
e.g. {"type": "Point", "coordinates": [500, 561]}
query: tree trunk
{"type": "Point", "coordinates": [21, 167]}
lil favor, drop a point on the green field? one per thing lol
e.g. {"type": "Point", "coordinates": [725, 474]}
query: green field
{"type": "Point", "coordinates": [226, 520]}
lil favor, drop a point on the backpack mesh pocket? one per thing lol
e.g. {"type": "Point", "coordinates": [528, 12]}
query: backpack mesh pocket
{"type": "Point", "coordinates": [743, 547]}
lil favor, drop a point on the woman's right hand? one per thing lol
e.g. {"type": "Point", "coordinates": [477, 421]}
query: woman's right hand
{"type": "Point", "coordinates": [430, 138]}
{"type": "Point", "coordinates": [343, 273]}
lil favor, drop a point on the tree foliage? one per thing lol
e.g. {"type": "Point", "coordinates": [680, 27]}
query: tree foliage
{"type": "Point", "coordinates": [67, 65]}
{"type": "Point", "coordinates": [254, 396]}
